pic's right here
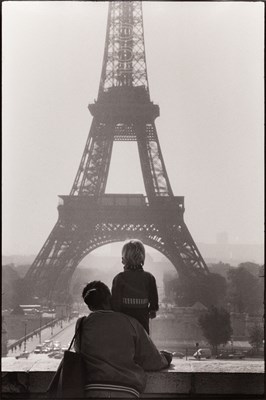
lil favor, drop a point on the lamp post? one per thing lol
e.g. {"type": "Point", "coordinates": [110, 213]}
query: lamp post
{"type": "Point", "coordinates": [40, 333]}
{"type": "Point", "coordinates": [52, 326]}
{"type": "Point", "coordinates": [25, 341]}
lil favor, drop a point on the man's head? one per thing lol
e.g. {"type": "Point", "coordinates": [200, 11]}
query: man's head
{"type": "Point", "coordinates": [133, 253]}
{"type": "Point", "coordinates": [97, 296]}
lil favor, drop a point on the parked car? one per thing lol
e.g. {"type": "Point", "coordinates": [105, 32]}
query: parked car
{"type": "Point", "coordinates": [38, 349]}
{"type": "Point", "coordinates": [224, 355]}
{"type": "Point", "coordinates": [253, 353]}
{"type": "Point", "coordinates": [48, 343]}
{"type": "Point", "coordinates": [46, 350]}
{"type": "Point", "coordinates": [59, 354]}
{"type": "Point", "coordinates": [236, 355]}
{"type": "Point", "coordinates": [178, 354]}
{"type": "Point", "coordinates": [239, 354]}
{"type": "Point", "coordinates": [25, 354]}
{"type": "Point", "coordinates": [57, 345]}
{"type": "Point", "coordinates": [53, 353]}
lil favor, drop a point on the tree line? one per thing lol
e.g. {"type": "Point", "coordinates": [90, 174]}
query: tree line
{"type": "Point", "coordinates": [240, 290]}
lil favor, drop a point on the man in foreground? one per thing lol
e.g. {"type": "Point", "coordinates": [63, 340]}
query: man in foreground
{"type": "Point", "coordinates": [116, 347]}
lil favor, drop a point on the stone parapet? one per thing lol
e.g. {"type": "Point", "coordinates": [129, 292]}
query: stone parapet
{"type": "Point", "coordinates": [29, 379]}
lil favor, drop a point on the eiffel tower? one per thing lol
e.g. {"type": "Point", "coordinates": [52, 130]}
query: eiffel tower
{"type": "Point", "coordinates": [88, 217]}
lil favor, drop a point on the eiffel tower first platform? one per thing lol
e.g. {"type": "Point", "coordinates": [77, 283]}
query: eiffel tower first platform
{"type": "Point", "coordinates": [88, 217]}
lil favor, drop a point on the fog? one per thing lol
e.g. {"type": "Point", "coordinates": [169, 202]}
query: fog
{"type": "Point", "coordinates": [205, 69]}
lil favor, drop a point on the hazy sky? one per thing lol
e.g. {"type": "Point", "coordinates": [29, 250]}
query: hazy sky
{"type": "Point", "coordinates": [205, 70]}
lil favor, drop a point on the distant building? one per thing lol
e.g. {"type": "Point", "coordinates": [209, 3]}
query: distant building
{"type": "Point", "coordinates": [30, 308]}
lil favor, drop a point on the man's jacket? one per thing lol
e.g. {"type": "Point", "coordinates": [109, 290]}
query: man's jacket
{"type": "Point", "coordinates": [117, 350]}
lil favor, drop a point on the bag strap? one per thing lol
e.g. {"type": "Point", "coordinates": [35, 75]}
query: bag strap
{"type": "Point", "coordinates": [76, 333]}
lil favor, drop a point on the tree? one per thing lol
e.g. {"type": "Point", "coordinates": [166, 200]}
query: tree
{"type": "Point", "coordinates": [23, 292]}
{"type": "Point", "coordinates": [256, 336]}
{"type": "Point", "coordinates": [216, 326]}
{"type": "Point", "coordinates": [219, 268]}
{"type": "Point", "coordinates": [209, 290]}
{"type": "Point", "coordinates": [17, 310]}
{"type": "Point", "coordinates": [245, 291]}
{"type": "Point", "coordinates": [171, 287]}
{"type": "Point", "coordinates": [217, 289]}
{"type": "Point", "coordinates": [251, 267]}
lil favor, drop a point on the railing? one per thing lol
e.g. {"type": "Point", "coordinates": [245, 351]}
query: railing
{"type": "Point", "coordinates": [20, 341]}
{"type": "Point", "coordinates": [121, 200]}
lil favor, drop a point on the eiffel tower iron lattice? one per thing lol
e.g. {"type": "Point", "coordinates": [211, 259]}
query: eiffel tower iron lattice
{"type": "Point", "coordinates": [88, 217]}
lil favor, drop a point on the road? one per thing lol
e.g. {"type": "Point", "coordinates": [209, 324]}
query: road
{"type": "Point", "coordinates": [62, 334]}
{"type": "Point", "coordinates": [65, 336]}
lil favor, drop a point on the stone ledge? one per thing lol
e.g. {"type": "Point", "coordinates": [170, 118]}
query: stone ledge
{"type": "Point", "coordinates": [29, 379]}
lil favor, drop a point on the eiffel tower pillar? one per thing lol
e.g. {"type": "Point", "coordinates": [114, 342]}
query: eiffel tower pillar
{"type": "Point", "coordinates": [88, 217]}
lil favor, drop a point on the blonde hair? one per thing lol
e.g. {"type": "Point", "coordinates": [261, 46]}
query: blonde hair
{"type": "Point", "coordinates": [133, 253]}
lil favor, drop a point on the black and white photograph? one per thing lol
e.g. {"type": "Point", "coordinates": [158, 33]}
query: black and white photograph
{"type": "Point", "coordinates": [133, 199]}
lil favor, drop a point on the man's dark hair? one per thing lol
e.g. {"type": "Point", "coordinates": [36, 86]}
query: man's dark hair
{"type": "Point", "coordinates": [95, 294]}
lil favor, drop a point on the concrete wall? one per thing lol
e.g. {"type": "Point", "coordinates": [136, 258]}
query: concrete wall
{"type": "Point", "coordinates": [184, 379]}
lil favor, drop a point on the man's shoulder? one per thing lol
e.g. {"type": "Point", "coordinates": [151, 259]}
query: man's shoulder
{"type": "Point", "coordinates": [80, 320]}
{"type": "Point", "coordinates": [117, 318]}
{"type": "Point", "coordinates": [101, 317]}
{"type": "Point", "coordinates": [127, 319]}
{"type": "Point", "coordinates": [133, 322]}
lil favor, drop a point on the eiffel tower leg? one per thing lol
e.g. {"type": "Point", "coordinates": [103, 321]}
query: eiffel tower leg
{"type": "Point", "coordinates": [182, 250]}
{"type": "Point", "coordinates": [92, 174]}
{"type": "Point", "coordinates": [155, 177]}
{"type": "Point", "coordinates": [49, 262]}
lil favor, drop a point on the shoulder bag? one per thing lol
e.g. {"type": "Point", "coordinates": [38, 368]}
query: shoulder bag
{"type": "Point", "coordinates": [69, 379]}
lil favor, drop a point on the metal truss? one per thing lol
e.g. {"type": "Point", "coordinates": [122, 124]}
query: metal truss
{"type": "Point", "coordinates": [124, 56]}
{"type": "Point", "coordinates": [92, 174]}
{"type": "Point", "coordinates": [86, 225]}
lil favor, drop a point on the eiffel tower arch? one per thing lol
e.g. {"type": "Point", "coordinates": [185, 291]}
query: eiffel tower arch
{"type": "Point", "coordinates": [89, 217]}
